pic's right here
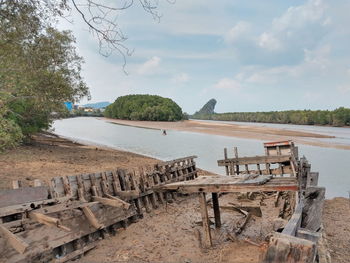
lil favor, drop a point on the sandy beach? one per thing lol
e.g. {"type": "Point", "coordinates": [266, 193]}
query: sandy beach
{"type": "Point", "coordinates": [235, 130]}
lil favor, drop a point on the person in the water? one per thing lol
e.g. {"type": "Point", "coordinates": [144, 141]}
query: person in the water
{"type": "Point", "coordinates": [164, 132]}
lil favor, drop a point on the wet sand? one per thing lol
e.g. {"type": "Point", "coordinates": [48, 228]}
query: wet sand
{"type": "Point", "coordinates": [236, 130]}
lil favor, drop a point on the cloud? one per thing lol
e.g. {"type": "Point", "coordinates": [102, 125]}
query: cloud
{"type": "Point", "coordinates": [269, 41]}
{"type": "Point", "coordinates": [150, 66]}
{"type": "Point", "coordinates": [180, 78]}
{"type": "Point", "coordinates": [300, 26]}
{"type": "Point", "coordinates": [228, 84]}
{"type": "Point", "coordinates": [238, 32]}
{"type": "Point", "coordinates": [344, 89]}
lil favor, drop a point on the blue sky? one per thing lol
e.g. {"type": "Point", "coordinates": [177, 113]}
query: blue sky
{"type": "Point", "coordinates": [248, 55]}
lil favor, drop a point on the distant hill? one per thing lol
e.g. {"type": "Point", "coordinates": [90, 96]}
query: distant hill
{"type": "Point", "coordinates": [207, 109]}
{"type": "Point", "coordinates": [98, 105]}
{"type": "Point", "coordinates": [144, 108]}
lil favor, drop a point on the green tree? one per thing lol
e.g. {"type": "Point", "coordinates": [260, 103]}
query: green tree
{"type": "Point", "coordinates": [39, 67]}
{"type": "Point", "coordinates": [145, 108]}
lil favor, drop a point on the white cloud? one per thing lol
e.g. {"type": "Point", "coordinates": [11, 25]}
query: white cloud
{"type": "Point", "coordinates": [299, 27]}
{"type": "Point", "coordinates": [150, 66]}
{"type": "Point", "coordinates": [236, 33]}
{"type": "Point", "coordinates": [344, 89]}
{"type": "Point", "coordinates": [269, 41]}
{"type": "Point", "coordinates": [228, 84]}
{"type": "Point", "coordinates": [180, 78]}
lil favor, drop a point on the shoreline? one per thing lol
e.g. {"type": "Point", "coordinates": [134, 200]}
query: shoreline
{"type": "Point", "coordinates": [50, 156]}
{"type": "Point", "coordinates": [236, 130]}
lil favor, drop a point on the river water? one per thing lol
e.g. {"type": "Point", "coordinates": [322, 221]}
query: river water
{"type": "Point", "coordinates": [333, 164]}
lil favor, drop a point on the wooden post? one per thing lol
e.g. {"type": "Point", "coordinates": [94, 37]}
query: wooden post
{"type": "Point", "coordinates": [91, 217]}
{"type": "Point", "coordinates": [216, 208]}
{"type": "Point", "coordinates": [205, 219]}
{"type": "Point", "coordinates": [16, 242]}
{"type": "Point", "coordinates": [236, 156]}
{"type": "Point", "coordinates": [225, 157]}
{"type": "Point", "coordinates": [16, 184]}
{"type": "Point", "coordinates": [37, 182]}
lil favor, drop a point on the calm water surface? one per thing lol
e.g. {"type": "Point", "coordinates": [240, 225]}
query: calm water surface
{"type": "Point", "coordinates": [333, 164]}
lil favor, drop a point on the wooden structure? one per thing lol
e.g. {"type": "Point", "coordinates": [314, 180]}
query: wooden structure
{"type": "Point", "coordinates": [279, 170]}
{"type": "Point", "coordinates": [66, 218]}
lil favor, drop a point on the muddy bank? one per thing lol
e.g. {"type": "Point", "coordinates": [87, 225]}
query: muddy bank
{"type": "Point", "coordinates": [235, 130]}
{"type": "Point", "coordinates": [168, 234]}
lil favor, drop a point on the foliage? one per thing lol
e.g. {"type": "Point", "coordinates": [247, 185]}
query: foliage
{"type": "Point", "coordinates": [10, 132]}
{"type": "Point", "coordinates": [144, 108]}
{"type": "Point", "coordinates": [337, 117]}
{"type": "Point", "coordinates": [39, 67]}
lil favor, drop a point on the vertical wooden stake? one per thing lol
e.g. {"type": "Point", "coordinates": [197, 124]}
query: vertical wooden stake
{"type": "Point", "coordinates": [225, 156]}
{"type": "Point", "coordinates": [236, 156]}
{"type": "Point", "coordinates": [205, 219]}
{"type": "Point", "coordinates": [216, 208]}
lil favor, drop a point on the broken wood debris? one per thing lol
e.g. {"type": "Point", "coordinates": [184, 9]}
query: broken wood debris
{"type": "Point", "coordinates": [81, 209]}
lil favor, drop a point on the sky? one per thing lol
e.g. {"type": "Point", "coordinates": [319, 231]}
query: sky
{"type": "Point", "coordinates": [249, 55]}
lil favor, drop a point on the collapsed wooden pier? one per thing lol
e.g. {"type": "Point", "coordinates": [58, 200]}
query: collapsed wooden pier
{"type": "Point", "coordinates": [279, 170]}
{"type": "Point", "coordinates": [61, 221]}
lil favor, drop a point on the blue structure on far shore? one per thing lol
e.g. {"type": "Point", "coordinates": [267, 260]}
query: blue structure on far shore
{"type": "Point", "coordinates": [69, 105]}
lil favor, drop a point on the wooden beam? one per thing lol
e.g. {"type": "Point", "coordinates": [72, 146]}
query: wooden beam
{"type": "Point", "coordinates": [234, 188]}
{"type": "Point", "coordinates": [76, 253]}
{"type": "Point", "coordinates": [16, 184]}
{"type": "Point", "coordinates": [205, 219]}
{"type": "Point", "coordinates": [216, 208]}
{"type": "Point", "coordinates": [255, 160]}
{"type": "Point", "coordinates": [294, 222]}
{"type": "Point", "coordinates": [128, 194]}
{"type": "Point", "coordinates": [226, 166]}
{"type": "Point", "coordinates": [47, 220]}
{"type": "Point", "coordinates": [111, 201]}
{"type": "Point", "coordinates": [284, 248]}
{"type": "Point", "coordinates": [16, 242]}
{"type": "Point", "coordinates": [92, 218]}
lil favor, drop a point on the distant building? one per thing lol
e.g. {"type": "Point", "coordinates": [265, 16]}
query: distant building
{"type": "Point", "coordinates": [69, 105]}
{"type": "Point", "coordinates": [88, 109]}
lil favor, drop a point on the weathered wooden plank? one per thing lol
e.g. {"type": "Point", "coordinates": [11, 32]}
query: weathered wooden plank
{"type": "Point", "coordinates": [216, 208]}
{"type": "Point", "coordinates": [295, 221]}
{"type": "Point", "coordinates": [47, 220]}
{"type": "Point", "coordinates": [313, 179]}
{"type": "Point", "coordinates": [16, 242]}
{"type": "Point", "coordinates": [205, 219]}
{"type": "Point", "coordinates": [92, 218]}
{"type": "Point", "coordinates": [313, 208]}
{"type": "Point", "coordinates": [76, 253]}
{"type": "Point", "coordinates": [9, 197]}
{"type": "Point", "coordinates": [255, 160]}
{"type": "Point", "coordinates": [16, 184]}
{"type": "Point", "coordinates": [289, 249]}
{"type": "Point", "coordinates": [111, 201]}
{"type": "Point", "coordinates": [217, 184]}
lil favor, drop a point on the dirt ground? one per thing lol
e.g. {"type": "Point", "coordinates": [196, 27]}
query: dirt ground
{"type": "Point", "coordinates": [238, 131]}
{"type": "Point", "coordinates": [336, 220]}
{"type": "Point", "coordinates": [173, 234]}
{"type": "Point", "coordinates": [47, 157]}
{"type": "Point", "coordinates": [170, 233]}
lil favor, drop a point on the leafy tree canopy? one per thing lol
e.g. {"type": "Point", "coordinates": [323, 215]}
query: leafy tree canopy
{"type": "Point", "coordinates": [39, 70]}
{"type": "Point", "coordinates": [337, 117]}
{"type": "Point", "coordinates": [144, 108]}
